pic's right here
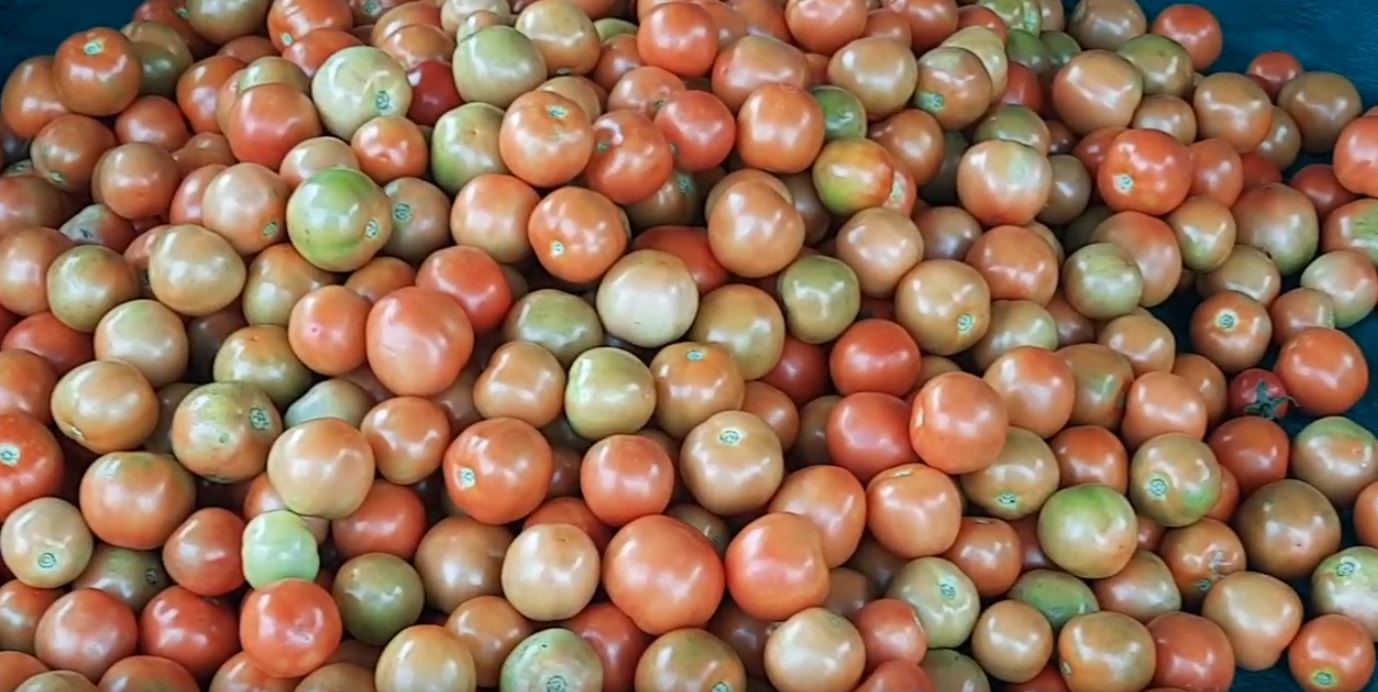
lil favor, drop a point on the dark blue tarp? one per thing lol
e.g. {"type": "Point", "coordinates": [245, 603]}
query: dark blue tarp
{"type": "Point", "coordinates": [1335, 35]}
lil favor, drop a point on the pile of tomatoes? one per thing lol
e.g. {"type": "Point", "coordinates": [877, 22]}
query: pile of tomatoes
{"type": "Point", "coordinates": [695, 345]}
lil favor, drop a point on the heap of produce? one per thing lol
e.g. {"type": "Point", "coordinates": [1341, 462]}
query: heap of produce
{"type": "Point", "coordinates": [682, 345]}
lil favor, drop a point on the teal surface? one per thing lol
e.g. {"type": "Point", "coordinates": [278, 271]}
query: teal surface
{"type": "Point", "coordinates": [1335, 35]}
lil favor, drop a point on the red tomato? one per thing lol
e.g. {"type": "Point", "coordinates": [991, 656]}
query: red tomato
{"type": "Point", "coordinates": [289, 628]}
{"type": "Point", "coordinates": [1258, 392]}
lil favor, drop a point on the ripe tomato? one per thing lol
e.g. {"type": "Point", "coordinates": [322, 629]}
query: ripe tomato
{"type": "Point", "coordinates": [1324, 370]}
{"type": "Point", "coordinates": [289, 628]}
{"type": "Point", "coordinates": [699, 128]}
{"type": "Point", "coordinates": [631, 158]}
{"type": "Point", "coordinates": [31, 462]}
{"type": "Point", "coordinates": [1258, 392]}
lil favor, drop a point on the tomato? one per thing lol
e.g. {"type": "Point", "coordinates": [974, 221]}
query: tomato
{"type": "Point", "coordinates": [473, 279]}
{"type": "Point", "coordinates": [136, 499]}
{"type": "Point", "coordinates": [1296, 509]}
{"type": "Point", "coordinates": [851, 175]}
{"type": "Point", "coordinates": [553, 657]}
{"type": "Point", "coordinates": [522, 381]}
{"type": "Point", "coordinates": [732, 463]}
{"type": "Point", "coordinates": [663, 574]}
{"type": "Point", "coordinates": [499, 470]}
{"type": "Point", "coordinates": [1146, 342]}
{"type": "Point", "coordinates": [1331, 651]}
{"type": "Point", "coordinates": [291, 615]}
{"type": "Point", "coordinates": [1016, 175]}
{"type": "Point", "coordinates": [1258, 613]}
{"type": "Point", "coordinates": [392, 520]}
{"type": "Point", "coordinates": [631, 159]}
{"type": "Point", "coordinates": [267, 120]}
{"type": "Point", "coordinates": [546, 139]}
{"type": "Point", "coordinates": [700, 129]}
{"type": "Point", "coordinates": [1145, 171]}
{"type": "Point", "coordinates": [1335, 455]}
{"type": "Point", "coordinates": [190, 630]}
{"type": "Point", "coordinates": [137, 180]}
{"type": "Point", "coordinates": [625, 477]}
{"type": "Point", "coordinates": [491, 212]}
{"type": "Point", "coordinates": [424, 324]}
{"type": "Point", "coordinates": [390, 147]}
{"type": "Point", "coordinates": [550, 571]}
{"type": "Point", "coordinates": [753, 61]}
{"type": "Point", "coordinates": [491, 628]}
{"type": "Point", "coordinates": [97, 72]}
{"type": "Point", "coordinates": [105, 405]}
{"type": "Point", "coordinates": [1365, 512]}
{"type": "Point", "coordinates": [86, 631]}
{"type": "Point", "coordinates": [643, 89]}
{"type": "Point", "coordinates": [322, 468]}
{"type": "Point", "coordinates": [203, 554]}
{"type": "Point", "coordinates": [648, 298]}
{"type": "Point", "coordinates": [679, 37]}
{"type": "Point", "coordinates": [875, 355]}
{"type": "Point", "coordinates": [578, 233]}
{"type": "Point", "coordinates": [30, 99]}
{"type": "Point", "coordinates": [1258, 392]}
{"type": "Point", "coordinates": [66, 151]}
{"type": "Point", "coordinates": [958, 423]}
{"type": "Point", "coordinates": [1323, 370]}
{"type": "Point", "coordinates": [33, 461]}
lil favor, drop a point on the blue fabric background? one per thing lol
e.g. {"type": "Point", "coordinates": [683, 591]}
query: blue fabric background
{"type": "Point", "coordinates": [1336, 35]}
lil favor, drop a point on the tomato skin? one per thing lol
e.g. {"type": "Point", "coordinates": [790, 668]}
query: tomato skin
{"type": "Point", "coordinates": [1258, 392]}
